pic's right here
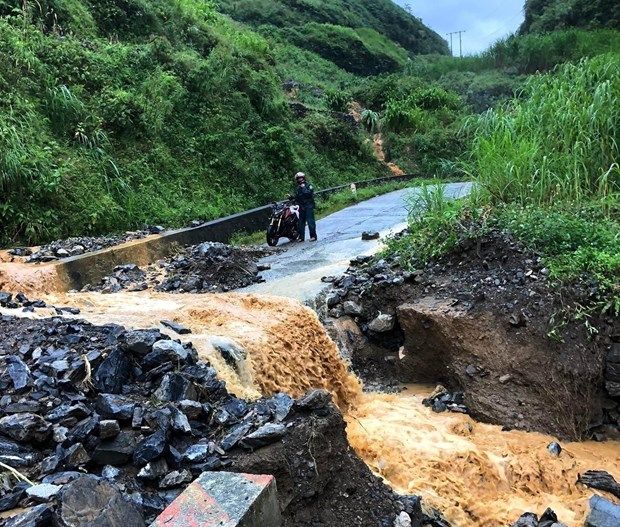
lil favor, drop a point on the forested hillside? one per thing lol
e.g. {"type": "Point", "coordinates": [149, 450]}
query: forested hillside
{"type": "Point", "coordinates": [549, 15]}
{"type": "Point", "coordinates": [365, 37]}
{"type": "Point", "coordinates": [115, 113]}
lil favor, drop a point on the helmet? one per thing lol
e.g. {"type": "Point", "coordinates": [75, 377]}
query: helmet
{"type": "Point", "coordinates": [300, 175]}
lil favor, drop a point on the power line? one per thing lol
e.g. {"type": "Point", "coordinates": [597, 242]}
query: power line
{"type": "Point", "coordinates": [460, 34]}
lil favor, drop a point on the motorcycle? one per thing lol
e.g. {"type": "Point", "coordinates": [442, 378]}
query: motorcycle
{"type": "Point", "coordinates": [284, 222]}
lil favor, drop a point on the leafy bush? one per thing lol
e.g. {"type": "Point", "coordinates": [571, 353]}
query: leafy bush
{"type": "Point", "coordinates": [549, 15]}
{"type": "Point", "coordinates": [382, 16]}
{"type": "Point", "coordinates": [362, 51]}
{"type": "Point", "coordinates": [545, 169]}
{"type": "Point", "coordinates": [522, 53]}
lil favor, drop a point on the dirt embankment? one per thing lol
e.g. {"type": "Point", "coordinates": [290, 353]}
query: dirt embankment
{"type": "Point", "coordinates": [485, 320]}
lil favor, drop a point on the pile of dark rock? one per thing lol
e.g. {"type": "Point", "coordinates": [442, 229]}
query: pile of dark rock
{"type": "Point", "coordinates": [212, 267]}
{"type": "Point", "coordinates": [135, 411]}
{"type": "Point", "coordinates": [128, 277]}
{"type": "Point", "coordinates": [59, 249]}
{"type": "Point", "coordinates": [529, 519]}
{"type": "Point", "coordinates": [441, 400]}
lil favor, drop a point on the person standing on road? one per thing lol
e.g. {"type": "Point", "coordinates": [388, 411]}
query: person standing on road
{"type": "Point", "coordinates": [304, 196]}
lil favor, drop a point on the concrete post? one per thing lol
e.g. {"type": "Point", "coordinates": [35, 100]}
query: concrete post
{"type": "Point", "coordinates": [225, 499]}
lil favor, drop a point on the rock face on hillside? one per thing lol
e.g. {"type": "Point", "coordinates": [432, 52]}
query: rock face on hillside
{"type": "Point", "coordinates": [485, 320]}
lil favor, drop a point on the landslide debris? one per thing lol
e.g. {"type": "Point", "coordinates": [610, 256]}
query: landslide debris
{"type": "Point", "coordinates": [209, 267]}
{"type": "Point", "coordinates": [110, 425]}
{"type": "Point", "coordinates": [485, 320]}
{"type": "Point", "coordinates": [76, 246]}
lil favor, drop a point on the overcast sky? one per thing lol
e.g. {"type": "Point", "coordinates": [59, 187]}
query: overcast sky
{"type": "Point", "coordinates": [484, 21]}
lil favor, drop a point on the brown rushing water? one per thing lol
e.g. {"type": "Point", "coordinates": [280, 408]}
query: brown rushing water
{"type": "Point", "coordinates": [474, 473]}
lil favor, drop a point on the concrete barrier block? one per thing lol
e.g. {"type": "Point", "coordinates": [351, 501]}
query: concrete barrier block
{"type": "Point", "coordinates": [225, 499]}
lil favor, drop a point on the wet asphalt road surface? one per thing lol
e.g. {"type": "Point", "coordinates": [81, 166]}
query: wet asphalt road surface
{"type": "Point", "coordinates": [297, 272]}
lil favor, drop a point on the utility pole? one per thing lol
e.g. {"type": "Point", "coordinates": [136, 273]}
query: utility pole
{"type": "Point", "coordinates": [460, 34]}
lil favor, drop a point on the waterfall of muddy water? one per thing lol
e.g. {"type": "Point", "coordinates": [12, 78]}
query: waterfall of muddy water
{"type": "Point", "coordinates": [474, 473]}
{"type": "Point", "coordinates": [288, 349]}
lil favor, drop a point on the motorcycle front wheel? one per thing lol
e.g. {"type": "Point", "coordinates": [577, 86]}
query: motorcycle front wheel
{"type": "Point", "coordinates": [272, 236]}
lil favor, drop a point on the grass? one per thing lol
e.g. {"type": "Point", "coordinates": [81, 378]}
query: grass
{"type": "Point", "coordinates": [523, 54]}
{"type": "Point", "coordinates": [178, 115]}
{"type": "Point", "coordinates": [546, 170]}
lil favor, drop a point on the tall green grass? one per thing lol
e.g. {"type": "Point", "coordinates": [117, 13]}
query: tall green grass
{"type": "Point", "coordinates": [560, 143]}
{"type": "Point", "coordinates": [545, 168]}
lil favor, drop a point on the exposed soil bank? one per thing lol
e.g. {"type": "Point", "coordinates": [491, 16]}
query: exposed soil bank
{"type": "Point", "coordinates": [478, 321]}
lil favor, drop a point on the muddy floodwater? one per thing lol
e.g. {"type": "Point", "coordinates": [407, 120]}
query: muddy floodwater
{"type": "Point", "coordinates": [474, 473]}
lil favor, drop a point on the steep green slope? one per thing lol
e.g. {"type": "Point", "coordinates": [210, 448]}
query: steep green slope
{"type": "Point", "coordinates": [364, 37]}
{"type": "Point", "coordinates": [115, 113]}
{"type": "Point", "coordinates": [549, 15]}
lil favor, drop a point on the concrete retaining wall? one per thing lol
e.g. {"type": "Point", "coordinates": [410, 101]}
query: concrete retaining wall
{"type": "Point", "coordinates": [90, 268]}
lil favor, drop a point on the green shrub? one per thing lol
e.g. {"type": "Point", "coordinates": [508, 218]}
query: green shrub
{"type": "Point", "coordinates": [382, 16]}
{"type": "Point", "coordinates": [362, 52]}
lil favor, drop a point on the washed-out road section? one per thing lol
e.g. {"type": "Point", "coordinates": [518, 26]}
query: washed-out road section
{"type": "Point", "coordinates": [297, 272]}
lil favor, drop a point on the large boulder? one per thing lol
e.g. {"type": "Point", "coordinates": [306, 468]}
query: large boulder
{"type": "Point", "coordinates": [92, 502]}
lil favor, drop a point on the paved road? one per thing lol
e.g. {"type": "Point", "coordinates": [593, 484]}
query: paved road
{"type": "Point", "coordinates": [297, 272]}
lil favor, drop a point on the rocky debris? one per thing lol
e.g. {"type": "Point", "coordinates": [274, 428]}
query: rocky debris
{"type": "Point", "coordinates": [352, 308]}
{"type": "Point", "coordinates": [529, 519]}
{"type": "Point", "coordinates": [367, 236]}
{"type": "Point", "coordinates": [554, 449]}
{"type": "Point", "coordinates": [382, 323]}
{"type": "Point", "coordinates": [210, 267]}
{"type": "Point", "coordinates": [20, 251]}
{"type": "Point", "coordinates": [600, 480]}
{"type": "Point", "coordinates": [43, 492]}
{"type": "Point", "coordinates": [176, 327]}
{"type": "Point", "coordinates": [20, 300]}
{"type": "Point", "coordinates": [59, 249]}
{"type": "Point", "coordinates": [39, 516]}
{"type": "Point", "coordinates": [603, 513]}
{"type": "Point", "coordinates": [231, 352]}
{"type": "Point", "coordinates": [90, 500]}
{"type": "Point", "coordinates": [117, 440]}
{"type": "Point", "coordinates": [441, 401]}
{"type": "Point", "coordinates": [403, 520]}
{"type": "Point", "coordinates": [127, 277]}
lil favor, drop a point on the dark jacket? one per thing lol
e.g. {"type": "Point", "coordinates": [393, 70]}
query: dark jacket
{"type": "Point", "coordinates": [304, 195]}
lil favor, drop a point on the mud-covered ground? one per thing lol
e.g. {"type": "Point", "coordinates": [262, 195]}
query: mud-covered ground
{"type": "Point", "coordinates": [487, 320]}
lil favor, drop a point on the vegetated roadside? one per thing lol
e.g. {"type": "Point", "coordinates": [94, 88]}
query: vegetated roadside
{"type": "Point", "coordinates": [546, 170]}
